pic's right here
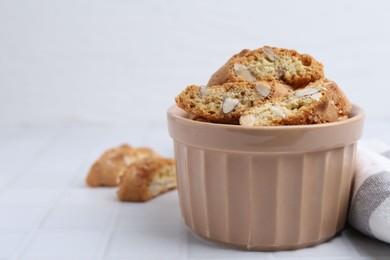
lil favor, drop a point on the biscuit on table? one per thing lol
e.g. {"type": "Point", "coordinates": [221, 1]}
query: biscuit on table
{"type": "Point", "coordinates": [146, 179]}
{"type": "Point", "coordinates": [225, 103]}
{"type": "Point", "coordinates": [319, 102]}
{"type": "Point", "coordinates": [269, 64]}
{"type": "Point", "coordinates": [108, 168]}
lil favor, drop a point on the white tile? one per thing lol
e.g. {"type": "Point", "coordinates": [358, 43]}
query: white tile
{"type": "Point", "coordinates": [198, 248]}
{"type": "Point", "coordinates": [102, 196]}
{"type": "Point", "coordinates": [29, 197]}
{"type": "Point", "coordinates": [9, 242]}
{"type": "Point", "coordinates": [367, 246]}
{"type": "Point", "coordinates": [77, 217]}
{"type": "Point", "coordinates": [17, 157]}
{"type": "Point", "coordinates": [339, 246]}
{"type": "Point", "coordinates": [79, 179]}
{"type": "Point", "coordinates": [164, 218]}
{"type": "Point", "coordinates": [21, 149]}
{"type": "Point", "coordinates": [62, 245]}
{"type": "Point", "coordinates": [146, 244]}
{"type": "Point", "coordinates": [47, 174]}
{"type": "Point", "coordinates": [19, 217]}
{"type": "Point", "coordinates": [165, 202]}
{"type": "Point", "coordinates": [160, 212]}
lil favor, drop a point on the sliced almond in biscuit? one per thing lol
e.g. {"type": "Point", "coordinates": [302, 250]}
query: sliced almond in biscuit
{"type": "Point", "coordinates": [229, 104]}
{"type": "Point", "coordinates": [278, 111]}
{"type": "Point", "coordinates": [269, 53]}
{"type": "Point", "coordinates": [263, 89]}
{"type": "Point", "coordinates": [243, 72]}
{"type": "Point", "coordinates": [203, 90]}
{"type": "Point", "coordinates": [306, 92]}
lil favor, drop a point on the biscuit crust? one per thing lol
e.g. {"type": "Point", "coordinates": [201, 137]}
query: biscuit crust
{"type": "Point", "coordinates": [226, 103]}
{"type": "Point", "coordinates": [113, 162]}
{"type": "Point", "coordinates": [146, 179]}
{"type": "Point", "coordinates": [320, 102]}
{"type": "Point", "coordinates": [269, 64]}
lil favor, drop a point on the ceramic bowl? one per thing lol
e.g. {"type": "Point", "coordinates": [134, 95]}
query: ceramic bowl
{"type": "Point", "coordinates": [264, 188]}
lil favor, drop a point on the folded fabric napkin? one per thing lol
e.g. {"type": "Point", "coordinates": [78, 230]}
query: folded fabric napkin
{"type": "Point", "coordinates": [370, 204]}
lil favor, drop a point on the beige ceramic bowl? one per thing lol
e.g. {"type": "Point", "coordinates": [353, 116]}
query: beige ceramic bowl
{"type": "Point", "coordinates": [264, 188]}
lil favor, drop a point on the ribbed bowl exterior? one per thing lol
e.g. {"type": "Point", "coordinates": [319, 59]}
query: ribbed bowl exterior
{"type": "Point", "coordinates": [272, 200]}
{"type": "Point", "coordinates": [260, 202]}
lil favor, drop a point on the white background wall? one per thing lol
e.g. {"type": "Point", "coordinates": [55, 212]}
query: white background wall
{"type": "Point", "coordinates": [123, 61]}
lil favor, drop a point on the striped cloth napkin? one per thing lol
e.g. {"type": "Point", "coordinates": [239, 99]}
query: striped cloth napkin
{"type": "Point", "coordinates": [370, 205]}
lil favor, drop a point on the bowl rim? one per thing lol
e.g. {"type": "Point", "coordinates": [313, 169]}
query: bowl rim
{"type": "Point", "coordinates": [357, 114]}
{"type": "Point", "coordinates": [264, 139]}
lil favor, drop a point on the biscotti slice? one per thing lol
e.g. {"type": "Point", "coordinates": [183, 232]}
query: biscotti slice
{"type": "Point", "coordinates": [225, 103]}
{"type": "Point", "coordinates": [146, 179]}
{"type": "Point", "coordinates": [107, 169]}
{"type": "Point", "coordinates": [320, 102]}
{"type": "Point", "coordinates": [267, 64]}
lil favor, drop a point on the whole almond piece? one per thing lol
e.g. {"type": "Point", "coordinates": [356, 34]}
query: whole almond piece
{"type": "Point", "coordinates": [316, 96]}
{"type": "Point", "coordinates": [269, 53]}
{"type": "Point", "coordinates": [243, 72]}
{"type": "Point", "coordinates": [247, 120]}
{"type": "Point", "coordinates": [203, 90]}
{"type": "Point", "coordinates": [229, 104]}
{"type": "Point", "coordinates": [306, 92]}
{"type": "Point", "coordinates": [279, 111]}
{"type": "Point", "coordinates": [263, 89]}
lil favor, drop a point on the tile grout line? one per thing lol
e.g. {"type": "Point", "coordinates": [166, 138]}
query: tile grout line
{"type": "Point", "coordinates": [46, 144]}
{"type": "Point", "coordinates": [107, 232]}
{"type": "Point", "coordinates": [38, 153]}
{"type": "Point", "coordinates": [33, 231]}
{"type": "Point", "coordinates": [19, 250]}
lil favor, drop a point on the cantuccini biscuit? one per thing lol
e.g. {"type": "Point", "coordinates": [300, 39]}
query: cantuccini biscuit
{"type": "Point", "coordinates": [109, 167]}
{"type": "Point", "coordinates": [269, 64]}
{"type": "Point", "coordinates": [225, 103]}
{"type": "Point", "coordinates": [146, 179]}
{"type": "Point", "coordinates": [319, 102]}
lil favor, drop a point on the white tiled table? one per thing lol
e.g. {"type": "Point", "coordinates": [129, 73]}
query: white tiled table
{"type": "Point", "coordinates": [47, 212]}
